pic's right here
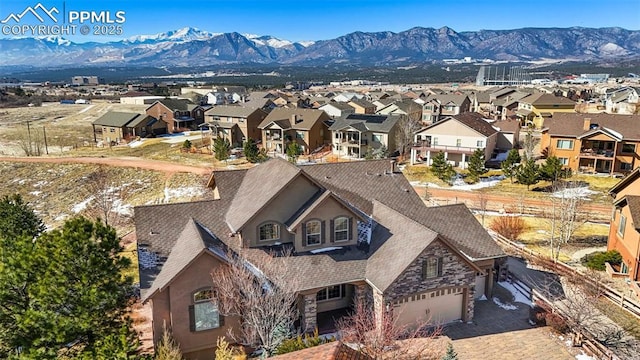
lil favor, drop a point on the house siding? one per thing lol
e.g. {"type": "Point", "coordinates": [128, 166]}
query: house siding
{"type": "Point", "coordinates": [455, 273]}
{"type": "Point", "coordinates": [326, 212]}
{"type": "Point", "coordinates": [628, 243]}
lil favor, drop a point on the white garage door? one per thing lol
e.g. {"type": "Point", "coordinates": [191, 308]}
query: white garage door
{"type": "Point", "coordinates": [436, 307]}
{"type": "Point", "coordinates": [480, 285]}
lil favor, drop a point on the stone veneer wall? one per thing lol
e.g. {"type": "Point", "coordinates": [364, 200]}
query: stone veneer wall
{"type": "Point", "coordinates": [455, 273]}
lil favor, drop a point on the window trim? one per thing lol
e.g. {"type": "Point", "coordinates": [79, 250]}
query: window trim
{"type": "Point", "coordinates": [345, 231]}
{"type": "Point", "coordinates": [319, 233]}
{"type": "Point", "coordinates": [342, 293]}
{"type": "Point", "coordinates": [426, 273]}
{"type": "Point", "coordinates": [204, 301]}
{"type": "Point", "coordinates": [277, 231]}
{"type": "Point", "coordinates": [628, 152]}
{"type": "Point", "coordinates": [571, 144]}
{"type": "Point", "coordinates": [621, 225]}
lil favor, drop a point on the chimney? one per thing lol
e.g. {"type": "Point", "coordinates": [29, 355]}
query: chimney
{"type": "Point", "coordinates": [393, 166]}
{"type": "Point", "coordinates": [587, 124]}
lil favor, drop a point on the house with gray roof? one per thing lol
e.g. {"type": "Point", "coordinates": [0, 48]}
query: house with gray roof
{"type": "Point", "coordinates": [458, 137]}
{"type": "Point", "coordinates": [177, 114]}
{"type": "Point", "coordinates": [115, 126]}
{"type": "Point", "coordinates": [337, 109]}
{"type": "Point", "coordinates": [439, 106]}
{"type": "Point", "coordinates": [356, 135]}
{"type": "Point", "coordinates": [308, 127]}
{"type": "Point", "coordinates": [236, 123]}
{"type": "Point", "coordinates": [355, 229]}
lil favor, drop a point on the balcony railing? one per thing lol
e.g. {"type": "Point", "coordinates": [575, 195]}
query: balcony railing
{"type": "Point", "coordinates": [356, 142]}
{"type": "Point", "coordinates": [596, 153]}
{"type": "Point", "coordinates": [444, 148]}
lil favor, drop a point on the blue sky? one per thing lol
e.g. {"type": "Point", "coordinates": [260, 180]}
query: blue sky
{"type": "Point", "coordinates": [317, 20]}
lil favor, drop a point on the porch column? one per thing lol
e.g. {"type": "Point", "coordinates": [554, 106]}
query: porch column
{"type": "Point", "coordinates": [309, 321]}
{"type": "Point", "coordinates": [379, 309]}
{"type": "Point", "coordinates": [428, 157]}
{"type": "Point", "coordinates": [446, 156]}
{"type": "Point", "coordinates": [464, 158]}
{"type": "Point", "coordinates": [413, 156]}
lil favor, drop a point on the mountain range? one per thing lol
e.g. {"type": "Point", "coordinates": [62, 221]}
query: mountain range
{"type": "Point", "coordinates": [195, 47]}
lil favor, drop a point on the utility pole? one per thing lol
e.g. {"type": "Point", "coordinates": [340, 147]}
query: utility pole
{"type": "Point", "coordinates": [46, 147]}
{"type": "Point", "coordinates": [29, 136]}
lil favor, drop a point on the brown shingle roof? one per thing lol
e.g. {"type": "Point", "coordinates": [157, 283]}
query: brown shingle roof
{"type": "Point", "coordinates": [260, 184]}
{"type": "Point", "coordinates": [332, 351]}
{"type": "Point", "coordinates": [634, 208]}
{"type": "Point", "coordinates": [571, 124]}
{"type": "Point", "coordinates": [549, 99]}
{"type": "Point", "coordinates": [231, 111]}
{"type": "Point", "coordinates": [283, 116]}
{"type": "Point", "coordinates": [473, 120]}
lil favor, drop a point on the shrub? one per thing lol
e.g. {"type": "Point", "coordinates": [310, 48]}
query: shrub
{"type": "Point", "coordinates": [224, 351]}
{"type": "Point", "coordinates": [596, 260]}
{"type": "Point", "coordinates": [557, 323]}
{"type": "Point", "coordinates": [537, 315]}
{"type": "Point", "coordinates": [186, 144]}
{"type": "Point", "coordinates": [302, 342]}
{"type": "Point", "coordinates": [510, 227]}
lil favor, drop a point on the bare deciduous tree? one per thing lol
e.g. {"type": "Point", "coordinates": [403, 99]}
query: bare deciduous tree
{"type": "Point", "coordinates": [483, 200]}
{"type": "Point", "coordinates": [107, 193]}
{"type": "Point", "coordinates": [406, 126]}
{"type": "Point", "coordinates": [566, 217]}
{"type": "Point", "coordinates": [261, 293]}
{"type": "Point", "coordinates": [384, 338]}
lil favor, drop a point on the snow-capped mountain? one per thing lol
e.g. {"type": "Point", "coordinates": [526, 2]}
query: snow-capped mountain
{"type": "Point", "coordinates": [189, 46]}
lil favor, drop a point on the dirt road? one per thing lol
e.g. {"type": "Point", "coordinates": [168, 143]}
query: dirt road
{"type": "Point", "coordinates": [146, 164]}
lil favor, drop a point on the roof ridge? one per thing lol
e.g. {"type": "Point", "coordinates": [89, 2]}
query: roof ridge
{"type": "Point", "coordinates": [177, 203]}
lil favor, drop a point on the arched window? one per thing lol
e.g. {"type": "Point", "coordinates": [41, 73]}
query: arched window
{"type": "Point", "coordinates": [203, 314]}
{"type": "Point", "coordinates": [269, 231]}
{"type": "Point", "coordinates": [341, 229]}
{"type": "Point", "coordinates": [313, 232]}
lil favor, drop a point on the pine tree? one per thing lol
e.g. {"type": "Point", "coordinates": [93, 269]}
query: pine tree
{"type": "Point", "coordinates": [251, 151]}
{"type": "Point", "coordinates": [551, 170]}
{"type": "Point", "coordinates": [66, 287]}
{"type": "Point", "coordinates": [221, 148]}
{"type": "Point", "coordinates": [441, 168]}
{"type": "Point", "coordinates": [476, 166]}
{"type": "Point", "coordinates": [528, 173]}
{"type": "Point", "coordinates": [510, 164]}
{"type": "Point", "coordinates": [450, 354]}
{"type": "Point", "coordinates": [167, 348]}
{"type": "Point", "coordinates": [17, 218]}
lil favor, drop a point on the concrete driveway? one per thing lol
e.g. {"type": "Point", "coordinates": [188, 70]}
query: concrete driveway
{"type": "Point", "coordinates": [505, 334]}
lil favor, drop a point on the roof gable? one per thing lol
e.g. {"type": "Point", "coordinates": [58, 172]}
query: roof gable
{"type": "Point", "coordinates": [115, 119]}
{"type": "Point", "coordinates": [473, 121]}
{"type": "Point", "coordinates": [316, 202]}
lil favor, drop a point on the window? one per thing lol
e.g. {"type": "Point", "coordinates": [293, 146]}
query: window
{"type": "Point", "coordinates": [625, 166]}
{"type": "Point", "coordinates": [480, 143]}
{"type": "Point", "coordinates": [313, 232]}
{"type": "Point", "coordinates": [376, 138]}
{"type": "Point", "coordinates": [112, 130]}
{"type": "Point", "coordinates": [203, 314]}
{"type": "Point", "coordinates": [270, 231]}
{"type": "Point", "coordinates": [564, 161]}
{"type": "Point", "coordinates": [564, 144]}
{"type": "Point", "coordinates": [435, 141]}
{"type": "Point", "coordinates": [628, 148]}
{"type": "Point", "coordinates": [331, 292]}
{"type": "Point", "coordinates": [341, 229]}
{"type": "Point", "coordinates": [458, 142]}
{"type": "Point", "coordinates": [431, 268]}
{"type": "Point", "coordinates": [622, 224]}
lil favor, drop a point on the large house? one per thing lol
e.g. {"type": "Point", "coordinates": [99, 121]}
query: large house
{"type": "Point", "coordinates": [356, 229]}
{"type": "Point", "coordinates": [235, 123]}
{"type": "Point", "coordinates": [593, 143]}
{"type": "Point", "coordinates": [439, 106]}
{"type": "Point", "coordinates": [118, 126]}
{"type": "Point", "coordinates": [536, 108]}
{"type": "Point", "coordinates": [177, 114]}
{"type": "Point", "coordinates": [355, 134]}
{"type": "Point", "coordinates": [308, 127]}
{"type": "Point", "coordinates": [458, 137]}
{"type": "Point", "coordinates": [624, 231]}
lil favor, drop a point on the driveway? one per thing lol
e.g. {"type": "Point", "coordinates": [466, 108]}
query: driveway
{"type": "Point", "coordinates": [504, 334]}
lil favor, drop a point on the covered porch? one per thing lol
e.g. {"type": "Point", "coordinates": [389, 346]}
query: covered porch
{"type": "Point", "coordinates": [424, 151]}
{"type": "Point", "coordinates": [595, 165]}
{"type": "Point", "coordinates": [350, 142]}
{"type": "Point", "coordinates": [322, 308]}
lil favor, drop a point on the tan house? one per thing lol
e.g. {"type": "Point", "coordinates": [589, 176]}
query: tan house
{"type": "Point", "coordinates": [362, 106]}
{"type": "Point", "coordinates": [537, 107]}
{"type": "Point", "coordinates": [457, 137]}
{"type": "Point", "coordinates": [437, 107]}
{"type": "Point", "coordinates": [356, 134]}
{"type": "Point", "coordinates": [177, 114]}
{"type": "Point", "coordinates": [308, 127]}
{"type": "Point", "coordinates": [122, 126]}
{"type": "Point", "coordinates": [355, 229]}
{"type": "Point", "coordinates": [593, 143]}
{"type": "Point", "coordinates": [235, 123]}
{"type": "Point", "coordinates": [624, 230]}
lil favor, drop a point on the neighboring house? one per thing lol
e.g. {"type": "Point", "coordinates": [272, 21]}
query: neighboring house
{"type": "Point", "coordinates": [308, 127]}
{"type": "Point", "coordinates": [624, 230]}
{"type": "Point", "coordinates": [507, 107]}
{"type": "Point", "coordinates": [439, 106]}
{"type": "Point", "coordinates": [177, 114]}
{"type": "Point", "coordinates": [625, 100]}
{"type": "Point", "coordinates": [118, 126]}
{"type": "Point", "coordinates": [509, 134]}
{"type": "Point", "coordinates": [235, 123]}
{"type": "Point", "coordinates": [362, 106]}
{"type": "Point", "coordinates": [457, 137]}
{"type": "Point", "coordinates": [336, 109]}
{"type": "Point", "coordinates": [537, 107]}
{"type": "Point", "coordinates": [355, 134]}
{"type": "Point", "coordinates": [593, 143]}
{"type": "Point", "coordinates": [357, 231]}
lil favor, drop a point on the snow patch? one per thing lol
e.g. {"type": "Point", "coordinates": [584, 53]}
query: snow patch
{"type": "Point", "coordinates": [306, 43]}
{"type": "Point", "coordinates": [136, 143]}
{"type": "Point", "coordinates": [189, 192]}
{"type": "Point", "coordinates": [482, 298]}
{"type": "Point", "coordinates": [330, 248]}
{"type": "Point", "coordinates": [35, 193]}
{"type": "Point", "coordinates": [584, 356]}
{"type": "Point", "coordinates": [121, 208]}
{"type": "Point", "coordinates": [40, 183]}
{"type": "Point", "coordinates": [517, 295]}
{"type": "Point", "coordinates": [459, 184]}
{"type": "Point", "coordinates": [504, 306]}
{"type": "Point", "coordinates": [82, 205]}
{"type": "Point", "coordinates": [578, 192]}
